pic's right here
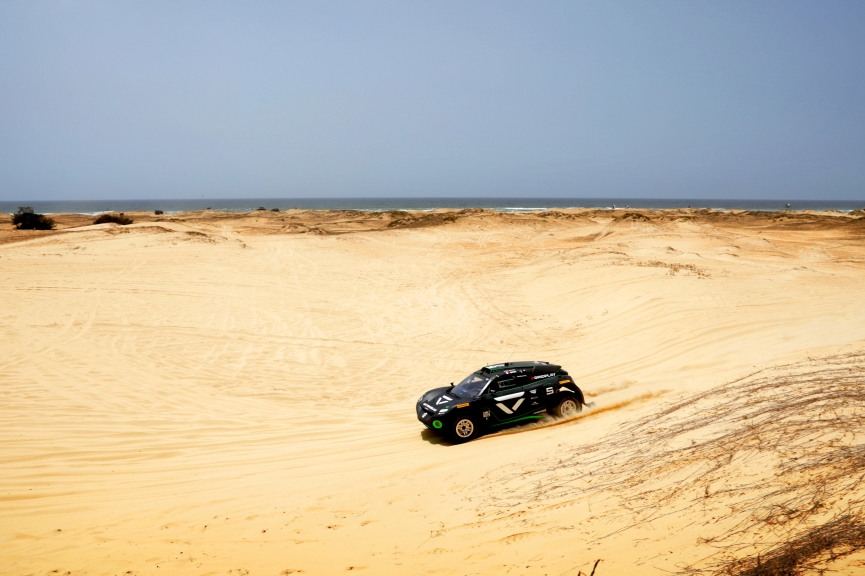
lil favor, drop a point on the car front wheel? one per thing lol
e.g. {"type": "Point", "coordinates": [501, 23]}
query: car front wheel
{"type": "Point", "coordinates": [464, 428]}
{"type": "Point", "coordinates": [567, 407]}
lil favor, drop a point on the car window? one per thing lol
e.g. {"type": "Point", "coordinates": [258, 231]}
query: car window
{"type": "Point", "coordinates": [522, 378]}
{"type": "Point", "coordinates": [504, 384]}
{"type": "Point", "coordinates": [471, 386]}
{"type": "Point", "coordinates": [545, 369]}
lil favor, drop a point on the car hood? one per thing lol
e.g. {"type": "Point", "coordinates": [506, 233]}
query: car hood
{"type": "Point", "coordinates": [439, 399]}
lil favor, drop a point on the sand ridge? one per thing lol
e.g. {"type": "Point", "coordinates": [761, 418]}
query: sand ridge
{"type": "Point", "coordinates": [233, 393]}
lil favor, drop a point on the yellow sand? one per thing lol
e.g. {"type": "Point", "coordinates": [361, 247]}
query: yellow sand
{"type": "Point", "coordinates": [219, 394]}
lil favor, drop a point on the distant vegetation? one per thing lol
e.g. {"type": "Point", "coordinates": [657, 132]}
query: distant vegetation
{"type": "Point", "coordinates": [115, 218]}
{"type": "Point", "coordinates": [401, 219]}
{"type": "Point", "coordinates": [27, 219]}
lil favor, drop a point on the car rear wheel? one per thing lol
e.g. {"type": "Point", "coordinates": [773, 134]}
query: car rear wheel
{"type": "Point", "coordinates": [464, 428]}
{"type": "Point", "coordinates": [567, 407]}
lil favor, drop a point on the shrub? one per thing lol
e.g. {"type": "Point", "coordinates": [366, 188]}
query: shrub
{"type": "Point", "coordinates": [158, 212]}
{"type": "Point", "coordinates": [27, 219]}
{"type": "Point", "coordinates": [115, 218]}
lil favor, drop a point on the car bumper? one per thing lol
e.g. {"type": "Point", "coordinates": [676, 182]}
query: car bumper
{"type": "Point", "coordinates": [428, 416]}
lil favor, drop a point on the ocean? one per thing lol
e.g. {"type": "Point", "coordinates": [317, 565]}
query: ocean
{"type": "Point", "coordinates": [382, 204]}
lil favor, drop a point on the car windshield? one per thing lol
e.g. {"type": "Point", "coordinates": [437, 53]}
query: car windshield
{"type": "Point", "coordinates": [472, 386]}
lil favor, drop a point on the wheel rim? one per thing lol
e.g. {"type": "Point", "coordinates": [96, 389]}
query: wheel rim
{"type": "Point", "coordinates": [465, 428]}
{"type": "Point", "coordinates": [569, 408]}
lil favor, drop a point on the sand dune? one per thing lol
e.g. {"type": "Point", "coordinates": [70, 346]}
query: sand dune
{"type": "Point", "coordinates": [213, 393]}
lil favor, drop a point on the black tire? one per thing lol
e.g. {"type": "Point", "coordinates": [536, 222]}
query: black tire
{"type": "Point", "coordinates": [567, 407]}
{"type": "Point", "coordinates": [464, 428]}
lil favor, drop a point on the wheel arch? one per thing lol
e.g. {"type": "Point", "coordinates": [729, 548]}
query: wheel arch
{"type": "Point", "coordinates": [578, 393]}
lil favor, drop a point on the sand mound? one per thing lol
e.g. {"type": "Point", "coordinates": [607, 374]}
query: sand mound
{"type": "Point", "coordinates": [234, 393]}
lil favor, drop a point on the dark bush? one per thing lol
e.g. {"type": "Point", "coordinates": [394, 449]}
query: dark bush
{"type": "Point", "coordinates": [115, 218]}
{"type": "Point", "coordinates": [274, 209]}
{"type": "Point", "coordinates": [27, 219]}
{"type": "Point", "coordinates": [158, 212]}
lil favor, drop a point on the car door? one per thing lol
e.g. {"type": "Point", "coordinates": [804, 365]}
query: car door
{"type": "Point", "coordinates": [508, 398]}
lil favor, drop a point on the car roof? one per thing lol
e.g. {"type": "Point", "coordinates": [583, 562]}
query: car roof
{"type": "Point", "coordinates": [493, 368]}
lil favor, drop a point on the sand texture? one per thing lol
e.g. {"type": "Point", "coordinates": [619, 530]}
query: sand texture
{"type": "Point", "coordinates": [210, 393]}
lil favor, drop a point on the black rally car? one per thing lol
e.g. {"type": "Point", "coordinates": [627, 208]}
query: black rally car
{"type": "Point", "coordinates": [497, 395]}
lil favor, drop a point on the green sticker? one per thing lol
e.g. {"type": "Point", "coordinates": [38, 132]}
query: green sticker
{"type": "Point", "coordinates": [437, 424]}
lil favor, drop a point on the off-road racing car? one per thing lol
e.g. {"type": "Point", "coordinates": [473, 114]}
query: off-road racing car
{"type": "Point", "coordinates": [498, 395]}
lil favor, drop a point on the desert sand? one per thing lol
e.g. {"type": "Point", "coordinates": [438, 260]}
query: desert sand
{"type": "Point", "coordinates": [213, 393]}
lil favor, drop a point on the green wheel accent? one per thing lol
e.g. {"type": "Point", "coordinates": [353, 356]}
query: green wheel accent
{"type": "Point", "coordinates": [437, 424]}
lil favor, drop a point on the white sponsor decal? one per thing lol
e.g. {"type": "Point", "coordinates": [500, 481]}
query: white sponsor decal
{"type": "Point", "coordinates": [495, 366]}
{"type": "Point", "coordinates": [509, 396]}
{"type": "Point", "coordinates": [442, 400]}
{"type": "Point", "coordinates": [549, 390]}
{"type": "Point", "coordinates": [542, 376]}
{"type": "Point", "coordinates": [507, 410]}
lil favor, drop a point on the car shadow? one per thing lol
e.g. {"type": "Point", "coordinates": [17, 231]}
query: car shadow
{"type": "Point", "coordinates": [440, 440]}
{"type": "Point", "coordinates": [433, 438]}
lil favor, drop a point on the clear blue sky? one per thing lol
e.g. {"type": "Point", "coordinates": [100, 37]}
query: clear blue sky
{"type": "Point", "coordinates": [176, 99]}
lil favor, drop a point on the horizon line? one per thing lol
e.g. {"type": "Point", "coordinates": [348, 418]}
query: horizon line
{"type": "Point", "coordinates": [535, 198]}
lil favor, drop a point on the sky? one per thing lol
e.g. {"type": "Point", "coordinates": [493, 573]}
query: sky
{"type": "Point", "coordinates": [183, 99]}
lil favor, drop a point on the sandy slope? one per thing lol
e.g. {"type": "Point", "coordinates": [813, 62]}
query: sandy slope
{"type": "Point", "coordinates": [213, 394]}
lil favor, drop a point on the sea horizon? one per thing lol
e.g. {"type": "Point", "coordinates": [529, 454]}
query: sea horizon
{"type": "Point", "coordinates": [373, 204]}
